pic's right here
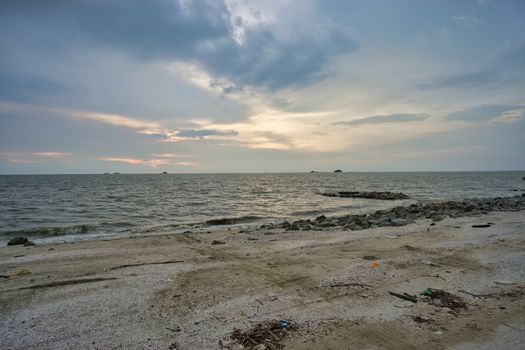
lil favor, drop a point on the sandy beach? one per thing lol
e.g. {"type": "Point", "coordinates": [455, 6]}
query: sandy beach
{"type": "Point", "coordinates": [189, 292]}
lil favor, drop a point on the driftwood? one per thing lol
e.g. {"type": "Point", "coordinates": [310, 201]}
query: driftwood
{"type": "Point", "coordinates": [352, 284]}
{"type": "Point", "coordinates": [148, 263]}
{"type": "Point", "coordinates": [69, 282]}
{"type": "Point", "coordinates": [405, 296]}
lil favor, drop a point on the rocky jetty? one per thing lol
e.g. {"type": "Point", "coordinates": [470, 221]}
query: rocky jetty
{"type": "Point", "coordinates": [404, 215]}
{"type": "Point", "coordinates": [371, 195]}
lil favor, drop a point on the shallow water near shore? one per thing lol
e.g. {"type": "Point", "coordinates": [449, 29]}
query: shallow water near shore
{"type": "Point", "coordinates": [65, 207]}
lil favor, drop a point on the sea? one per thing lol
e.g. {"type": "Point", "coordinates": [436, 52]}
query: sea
{"type": "Point", "coordinates": [55, 208]}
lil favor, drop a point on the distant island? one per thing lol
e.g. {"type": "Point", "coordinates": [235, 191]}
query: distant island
{"type": "Point", "coordinates": [338, 171]}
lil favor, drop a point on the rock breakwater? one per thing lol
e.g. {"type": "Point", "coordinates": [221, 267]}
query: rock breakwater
{"type": "Point", "coordinates": [404, 215]}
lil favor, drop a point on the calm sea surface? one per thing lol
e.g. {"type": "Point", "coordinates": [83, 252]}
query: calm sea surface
{"type": "Point", "coordinates": [66, 207]}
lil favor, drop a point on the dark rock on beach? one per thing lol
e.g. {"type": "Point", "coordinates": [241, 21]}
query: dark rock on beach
{"type": "Point", "coordinates": [20, 241]}
{"type": "Point", "coordinates": [371, 195]}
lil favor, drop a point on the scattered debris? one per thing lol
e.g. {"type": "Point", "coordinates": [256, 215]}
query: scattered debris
{"type": "Point", "coordinates": [147, 263]}
{"type": "Point", "coordinates": [405, 296]}
{"type": "Point", "coordinates": [268, 334]}
{"type": "Point", "coordinates": [430, 263]}
{"type": "Point", "coordinates": [369, 257]}
{"type": "Point", "coordinates": [422, 319]}
{"type": "Point", "coordinates": [472, 294]}
{"type": "Point", "coordinates": [505, 282]}
{"type": "Point", "coordinates": [216, 242]}
{"type": "Point", "coordinates": [437, 275]}
{"type": "Point", "coordinates": [69, 282]}
{"type": "Point", "coordinates": [374, 265]}
{"type": "Point", "coordinates": [481, 225]}
{"type": "Point", "coordinates": [443, 298]}
{"type": "Point", "coordinates": [350, 284]}
{"type": "Point", "coordinates": [22, 272]}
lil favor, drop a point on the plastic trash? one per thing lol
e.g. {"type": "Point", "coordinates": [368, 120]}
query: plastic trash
{"type": "Point", "coordinates": [374, 265]}
{"type": "Point", "coordinates": [284, 324]}
{"type": "Point", "coordinates": [427, 293]}
{"type": "Point", "coordinates": [430, 263]}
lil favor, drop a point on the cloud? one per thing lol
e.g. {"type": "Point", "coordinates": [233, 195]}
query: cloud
{"type": "Point", "coordinates": [507, 64]}
{"type": "Point", "coordinates": [165, 155]}
{"type": "Point", "coordinates": [134, 161]}
{"type": "Point", "coordinates": [131, 161]}
{"type": "Point", "coordinates": [51, 154]}
{"type": "Point", "coordinates": [187, 164]}
{"type": "Point", "coordinates": [233, 42]}
{"type": "Point", "coordinates": [115, 119]}
{"type": "Point", "coordinates": [485, 113]}
{"type": "Point", "coordinates": [24, 87]}
{"type": "Point", "coordinates": [467, 21]}
{"type": "Point", "coordinates": [201, 133]}
{"type": "Point", "coordinates": [380, 119]}
{"type": "Point", "coordinates": [22, 161]}
{"type": "Point", "coordinates": [35, 157]}
{"type": "Point", "coordinates": [511, 116]}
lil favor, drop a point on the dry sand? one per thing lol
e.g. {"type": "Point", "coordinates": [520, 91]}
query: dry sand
{"type": "Point", "coordinates": [182, 292]}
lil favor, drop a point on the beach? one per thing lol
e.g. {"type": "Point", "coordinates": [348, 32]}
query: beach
{"type": "Point", "coordinates": [191, 291]}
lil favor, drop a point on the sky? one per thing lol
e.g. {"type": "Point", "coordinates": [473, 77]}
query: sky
{"type": "Point", "coordinates": [196, 86]}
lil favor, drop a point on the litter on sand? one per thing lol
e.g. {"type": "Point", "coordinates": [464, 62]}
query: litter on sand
{"type": "Point", "coordinates": [265, 335]}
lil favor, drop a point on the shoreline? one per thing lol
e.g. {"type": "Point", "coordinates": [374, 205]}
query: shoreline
{"type": "Point", "coordinates": [402, 215]}
{"type": "Point", "coordinates": [186, 291]}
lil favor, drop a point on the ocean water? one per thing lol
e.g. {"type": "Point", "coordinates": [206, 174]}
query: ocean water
{"type": "Point", "coordinates": [72, 207]}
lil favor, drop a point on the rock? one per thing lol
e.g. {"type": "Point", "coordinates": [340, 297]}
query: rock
{"type": "Point", "coordinates": [216, 242]}
{"type": "Point", "coordinates": [223, 221]}
{"type": "Point", "coordinates": [399, 222]}
{"type": "Point", "coordinates": [20, 241]}
{"type": "Point", "coordinates": [338, 171]}
{"type": "Point", "coordinates": [320, 218]}
{"type": "Point", "coordinates": [371, 195]}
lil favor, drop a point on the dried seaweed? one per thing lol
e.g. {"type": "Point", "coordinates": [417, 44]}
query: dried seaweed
{"type": "Point", "coordinates": [445, 299]}
{"type": "Point", "coordinates": [269, 333]}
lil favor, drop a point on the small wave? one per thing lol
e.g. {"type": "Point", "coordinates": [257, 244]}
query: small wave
{"type": "Point", "coordinates": [324, 210]}
{"type": "Point", "coordinates": [233, 221]}
{"type": "Point", "coordinates": [51, 231]}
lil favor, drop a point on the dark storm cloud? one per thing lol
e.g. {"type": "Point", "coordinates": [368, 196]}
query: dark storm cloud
{"type": "Point", "coordinates": [199, 32]}
{"type": "Point", "coordinates": [390, 118]}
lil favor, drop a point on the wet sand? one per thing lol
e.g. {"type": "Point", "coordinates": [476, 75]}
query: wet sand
{"type": "Point", "coordinates": [183, 292]}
